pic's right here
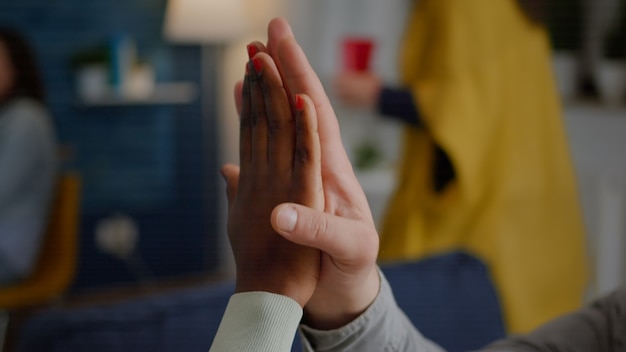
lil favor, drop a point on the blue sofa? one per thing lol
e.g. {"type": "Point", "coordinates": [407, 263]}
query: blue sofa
{"type": "Point", "coordinates": [450, 298]}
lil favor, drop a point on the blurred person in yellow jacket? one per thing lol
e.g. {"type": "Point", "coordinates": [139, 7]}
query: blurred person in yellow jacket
{"type": "Point", "coordinates": [485, 165]}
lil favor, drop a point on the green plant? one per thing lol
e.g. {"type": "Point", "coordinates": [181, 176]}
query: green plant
{"type": "Point", "coordinates": [367, 155]}
{"type": "Point", "coordinates": [91, 56]}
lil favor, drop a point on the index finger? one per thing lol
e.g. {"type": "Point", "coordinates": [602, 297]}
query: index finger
{"type": "Point", "coordinates": [299, 76]}
{"type": "Point", "coordinates": [277, 30]}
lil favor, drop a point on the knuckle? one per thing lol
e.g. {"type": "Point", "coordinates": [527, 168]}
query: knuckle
{"type": "Point", "coordinates": [302, 155]}
{"type": "Point", "coordinates": [266, 88]}
{"type": "Point", "coordinates": [318, 228]}
{"type": "Point", "coordinates": [301, 126]}
{"type": "Point", "coordinates": [255, 118]}
{"type": "Point", "coordinates": [274, 127]}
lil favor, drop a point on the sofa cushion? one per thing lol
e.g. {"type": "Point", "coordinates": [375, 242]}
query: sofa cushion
{"type": "Point", "coordinates": [449, 298]}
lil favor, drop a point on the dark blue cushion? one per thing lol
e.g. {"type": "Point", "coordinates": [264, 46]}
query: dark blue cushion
{"type": "Point", "coordinates": [449, 298]}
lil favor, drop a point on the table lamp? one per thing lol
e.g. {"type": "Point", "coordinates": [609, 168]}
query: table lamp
{"type": "Point", "coordinates": [204, 21]}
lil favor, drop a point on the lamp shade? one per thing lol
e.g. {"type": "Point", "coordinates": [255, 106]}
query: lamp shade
{"type": "Point", "coordinates": [204, 21]}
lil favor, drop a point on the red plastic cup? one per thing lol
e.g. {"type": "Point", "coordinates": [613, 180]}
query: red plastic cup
{"type": "Point", "coordinates": [357, 53]}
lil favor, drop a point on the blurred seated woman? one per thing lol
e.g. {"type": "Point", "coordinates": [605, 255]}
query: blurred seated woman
{"type": "Point", "coordinates": [28, 159]}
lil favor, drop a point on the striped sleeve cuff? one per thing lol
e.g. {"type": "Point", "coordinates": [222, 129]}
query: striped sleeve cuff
{"type": "Point", "coordinates": [258, 321]}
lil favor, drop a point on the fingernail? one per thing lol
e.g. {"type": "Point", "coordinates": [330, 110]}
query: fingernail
{"type": "Point", "coordinates": [299, 102]}
{"type": "Point", "coordinates": [287, 219]}
{"type": "Point", "coordinates": [252, 50]}
{"type": "Point", "coordinates": [257, 64]}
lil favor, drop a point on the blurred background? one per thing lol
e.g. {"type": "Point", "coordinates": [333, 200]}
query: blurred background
{"type": "Point", "coordinates": [141, 96]}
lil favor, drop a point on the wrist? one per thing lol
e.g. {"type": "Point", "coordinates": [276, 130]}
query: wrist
{"type": "Point", "coordinates": [339, 305]}
{"type": "Point", "coordinates": [372, 93]}
{"type": "Point", "coordinates": [297, 290]}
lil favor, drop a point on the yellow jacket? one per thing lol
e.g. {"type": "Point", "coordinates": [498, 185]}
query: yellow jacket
{"type": "Point", "coordinates": [480, 72]}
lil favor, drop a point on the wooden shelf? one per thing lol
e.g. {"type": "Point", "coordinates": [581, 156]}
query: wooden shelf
{"type": "Point", "coordinates": [164, 94]}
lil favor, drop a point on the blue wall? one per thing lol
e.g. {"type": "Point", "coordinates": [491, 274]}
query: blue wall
{"type": "Point", "coordinates": [144, 161]}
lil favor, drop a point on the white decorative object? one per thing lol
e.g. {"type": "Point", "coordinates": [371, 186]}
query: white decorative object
{"type": "Point", "coordinates": [610, 77]}
{"type": "Point", "coordinates": [140, 82]}
{"type": "Point", "coordinates": [92, 81]}
{"type": "Point", "coordinates": [612, 81]}
{"type": "Point", "coordinates": [117, 235]}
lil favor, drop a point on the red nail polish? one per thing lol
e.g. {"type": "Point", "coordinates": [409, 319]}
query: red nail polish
{"type": "Point", "coordinates": [257, 64]}
{"type": "Point", "coordinates": [299, 102]}
{"type": "Point", "coordinates": [247, 68]}
{"type": "Point", "coordinates": [252, 50]}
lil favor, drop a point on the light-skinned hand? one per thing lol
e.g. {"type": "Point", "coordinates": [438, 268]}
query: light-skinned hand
{"type": "Point", "coordinates": [280, 161]}
{"type": "Point", "coordinates": [357, 89]}
{"type": "Point", "coordinates": [344, 231]}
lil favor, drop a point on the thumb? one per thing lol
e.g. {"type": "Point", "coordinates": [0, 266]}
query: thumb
{"type": "Point", "coordinates": [346, 240]}
{"type": "Point", "coordinates": [230, 173]}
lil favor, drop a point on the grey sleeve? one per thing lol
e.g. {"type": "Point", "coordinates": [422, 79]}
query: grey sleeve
{"type": "Point", "coordinates": [28, 172]}
{"type": "Point", "coordinates": [27, 151]}
{"type": "Point", "coordinates": [600, 327]}
{"type": "Point", "coordinates": [382, 327]}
